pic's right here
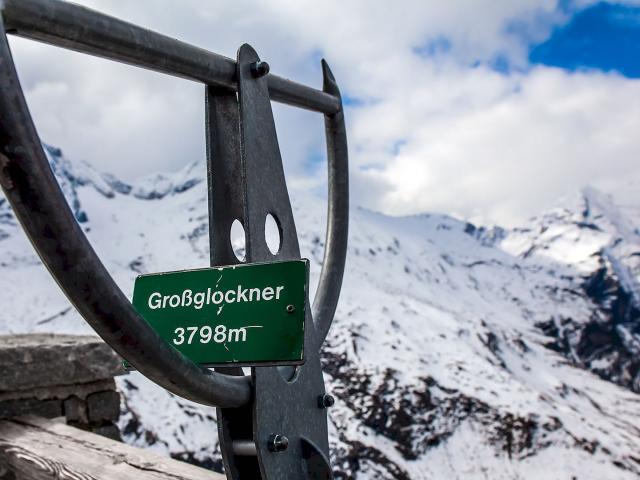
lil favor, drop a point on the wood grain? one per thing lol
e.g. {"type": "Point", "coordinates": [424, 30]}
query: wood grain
{"type": "Point", "coordinates": [38, 449]}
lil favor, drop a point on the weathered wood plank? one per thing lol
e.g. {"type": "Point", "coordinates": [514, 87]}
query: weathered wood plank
{"type": "Point", "coordinates": [38, 449]}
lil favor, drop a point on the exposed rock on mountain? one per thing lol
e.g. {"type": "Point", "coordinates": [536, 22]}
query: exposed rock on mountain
{"type": "Point", "coordinates": [600, 241]}
{"type": "Point", "coordinates": [458, 351]}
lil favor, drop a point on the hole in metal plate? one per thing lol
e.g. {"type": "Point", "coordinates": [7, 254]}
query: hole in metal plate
{"type": "Point", "coordinates": [273, 234]}
{"type": "Point", "coordinates": [238, 240]}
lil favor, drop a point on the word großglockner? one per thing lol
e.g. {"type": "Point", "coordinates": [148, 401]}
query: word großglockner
{"type": "Point", "coordinates": [213, 297]}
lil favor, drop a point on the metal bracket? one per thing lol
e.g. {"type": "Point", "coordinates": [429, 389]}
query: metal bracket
{"type": "Point", "coordinates": [247, 183]}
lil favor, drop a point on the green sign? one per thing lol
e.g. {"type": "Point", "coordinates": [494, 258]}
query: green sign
{"type": "Point", "coordinates": [243, 314]}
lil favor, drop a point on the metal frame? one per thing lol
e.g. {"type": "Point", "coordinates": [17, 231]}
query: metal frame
{"type": "Point", "coordinates": [243, 185]}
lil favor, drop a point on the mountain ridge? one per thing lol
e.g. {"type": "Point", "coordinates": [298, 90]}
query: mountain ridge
{"type": "Point", "coordinates": [457, 350]}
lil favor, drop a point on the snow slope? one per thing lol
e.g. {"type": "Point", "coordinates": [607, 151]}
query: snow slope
{"type": "Point", "coordinates": [457, 351]}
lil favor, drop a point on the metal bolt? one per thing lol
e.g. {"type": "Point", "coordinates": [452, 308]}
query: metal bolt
{"type": "Point", "coordinates": [259, 69]}
{"type": "Point", "coordinates": [278, 443]}
{"type": "Point", "coordinates": [291, 309]}
{"type": "Point", "coordinates": [326, 401]}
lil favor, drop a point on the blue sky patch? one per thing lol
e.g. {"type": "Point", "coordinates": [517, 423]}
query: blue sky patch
{"type": "Point", "coordinates": [350, 101]}
{"type": "Point", "coordinates": [604, 37]}
{"type": "Point", "coordinates": [434, 47]}
{"type": "Point", "coordinates": [500, 63]}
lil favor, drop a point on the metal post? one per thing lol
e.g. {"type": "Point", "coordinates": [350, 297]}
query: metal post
{"type": "Point", "coordinates": [285, 400]}
{"type": "Point", "coordinates": [226, 204]}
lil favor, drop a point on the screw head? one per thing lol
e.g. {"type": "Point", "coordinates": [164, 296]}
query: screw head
{"type": "Point", "coordinates": [291, 309]}
{"type": "Point", "coordinates": [278, 443]}
{"type": "Point", "coordinates": [259, 69]}
{"type": "Point", "coordinates": [326, 401]}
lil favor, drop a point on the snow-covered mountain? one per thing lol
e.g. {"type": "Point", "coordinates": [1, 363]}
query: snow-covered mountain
{"type": "Point", "coordinates": [457, 351]}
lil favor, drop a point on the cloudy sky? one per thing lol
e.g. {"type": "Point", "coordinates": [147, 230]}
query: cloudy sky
{"type": "Point", "coordinates": [488, 110]}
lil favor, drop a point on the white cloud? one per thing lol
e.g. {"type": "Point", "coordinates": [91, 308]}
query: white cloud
{"type": "Point", "coordinates": [430, 133]}
{"type": "Point", "coordinates": [547, 134]}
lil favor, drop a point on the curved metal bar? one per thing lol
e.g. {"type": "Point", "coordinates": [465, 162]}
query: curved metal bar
{"type": "Point", "coordinates": [78, 28]}
{"type": "Point", "coordinates": [335, 248]}
{"type": "Point", "coordinates": [39, 204]}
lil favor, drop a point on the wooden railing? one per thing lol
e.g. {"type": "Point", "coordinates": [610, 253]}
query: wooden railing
{"type": "Point", "coordinates": [34, 448]}
{"type": "Point", "coordinates": [58, 413]}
